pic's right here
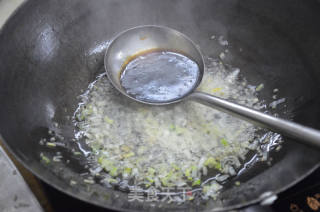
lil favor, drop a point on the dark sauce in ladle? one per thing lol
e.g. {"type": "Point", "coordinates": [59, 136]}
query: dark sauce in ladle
{"type": "Point", "coordinates": [159, 76]}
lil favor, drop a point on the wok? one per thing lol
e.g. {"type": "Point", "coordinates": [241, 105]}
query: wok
{"type": "Point", "coordinates": [51, 50]}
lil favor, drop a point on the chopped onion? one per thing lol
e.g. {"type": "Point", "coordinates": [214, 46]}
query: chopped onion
{"type": "Point", "coordinates": [175, 145]}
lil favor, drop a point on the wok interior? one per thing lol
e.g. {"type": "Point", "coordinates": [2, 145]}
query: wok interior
{"type": "Point", "coordinates": [51, 51]}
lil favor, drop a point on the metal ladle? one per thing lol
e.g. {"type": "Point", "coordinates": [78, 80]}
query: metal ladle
{"type": "Point", "coordinates": [143, 38]}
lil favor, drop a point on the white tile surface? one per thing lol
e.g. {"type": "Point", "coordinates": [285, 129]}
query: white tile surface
{"type": "Point", "coordinates": [6, 8]}
{"type": "Point", "coordinates": [15, 194]}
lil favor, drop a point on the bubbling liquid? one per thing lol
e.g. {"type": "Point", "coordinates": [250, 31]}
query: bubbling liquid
{"type": "Point", "coordinates": [159, 76]}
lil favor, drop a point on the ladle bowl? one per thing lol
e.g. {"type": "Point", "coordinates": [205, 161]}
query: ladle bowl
{"type": "Point", "coordinates": [145, 38]}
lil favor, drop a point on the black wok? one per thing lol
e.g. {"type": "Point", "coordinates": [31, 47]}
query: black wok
{"type": "Point", "coordinates": [51, 50]}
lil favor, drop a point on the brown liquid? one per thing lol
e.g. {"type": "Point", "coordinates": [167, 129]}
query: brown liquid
{"type": "Point", "coordinates": [159, 76]}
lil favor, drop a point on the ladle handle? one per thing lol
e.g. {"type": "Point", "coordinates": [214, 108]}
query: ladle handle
{"type": "Point", "coordinates": [297, 131]}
